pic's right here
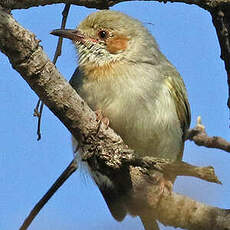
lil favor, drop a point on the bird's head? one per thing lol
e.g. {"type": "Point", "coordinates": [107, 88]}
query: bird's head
{"type": "Point", "coordinates": [107, 36]}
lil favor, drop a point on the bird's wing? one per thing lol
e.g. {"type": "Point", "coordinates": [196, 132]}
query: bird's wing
{"type": "Point", "coordinates": [177, 90]}
{"type": "Point", "coordinates": [74, 78]}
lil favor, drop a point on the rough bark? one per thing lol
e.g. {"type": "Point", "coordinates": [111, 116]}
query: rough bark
{"type": "Point", "coordinates": [104, 4]}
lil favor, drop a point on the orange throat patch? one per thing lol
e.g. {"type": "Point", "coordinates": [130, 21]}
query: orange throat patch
{"type": "Point", "coordinates": [93, 72]}
{"type": "Point", "coordinates": [114, 45]}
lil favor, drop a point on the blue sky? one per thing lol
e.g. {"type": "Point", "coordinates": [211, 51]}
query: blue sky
{"type": "Point", "coordinates": [27, 168]}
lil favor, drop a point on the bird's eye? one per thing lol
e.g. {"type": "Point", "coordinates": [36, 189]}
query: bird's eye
{"type": "Point", "coordinates": [103, 34]}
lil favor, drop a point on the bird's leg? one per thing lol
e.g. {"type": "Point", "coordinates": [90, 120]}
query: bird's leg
{"type": "Point", "coordinates": [100, 118]}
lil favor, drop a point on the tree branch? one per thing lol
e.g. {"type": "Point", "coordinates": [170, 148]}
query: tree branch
{"type": "Point", "coordinates": [25, 4]}
{"type": "Point", "coordinates": [28, 58]}
{"type": "Point", "coordinates": [195, 216]}
{"type": "Point", "coordinates": [221, 22]}
{"type": "Point", "coordinates": [178, 168]}
{"type": "Point", "coordinates": [200, 137]}
{"type": "Point", "coordinates": [104, 4]}
{"type": "Point", "coordinates": [71, 168]}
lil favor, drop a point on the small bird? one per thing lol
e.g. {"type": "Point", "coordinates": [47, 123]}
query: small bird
{"type": "Point", "coordinates": [123, 74]}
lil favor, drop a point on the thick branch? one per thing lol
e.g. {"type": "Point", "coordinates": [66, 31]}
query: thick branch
{"type": "Point", "coordinates": [198, 216]}
{"type": "Point", "coordinates": [103, 4]}
{"type": "Point", "coordinates": [28, 58]}
{"type": "Point", "coordinates": [25, 4]}
{"type": "Point", "coordinates": [167, 167]}
{"type": "Point", "coordinates": [221, 21]}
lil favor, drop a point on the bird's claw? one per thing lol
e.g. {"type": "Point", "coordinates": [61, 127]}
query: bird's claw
{"type": "Point", "coordinates": [101, 119]}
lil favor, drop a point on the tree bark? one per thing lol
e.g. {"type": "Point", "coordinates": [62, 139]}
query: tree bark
{"type": "Point", "coordinates": [104, 4]}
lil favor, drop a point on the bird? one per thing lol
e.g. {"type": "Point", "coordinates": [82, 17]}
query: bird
{"type": "Point", "coordinates": [123, 74]}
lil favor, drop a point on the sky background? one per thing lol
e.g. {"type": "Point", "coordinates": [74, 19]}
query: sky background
{"type": "Point", "coordinates": [28, 168]}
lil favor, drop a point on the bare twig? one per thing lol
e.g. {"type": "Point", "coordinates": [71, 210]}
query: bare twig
{"type": "Point", "coordinates": [200, 137]}
{"type": "Point", "coordinates": [221, 21]}
{"type": "Point", "coordinates": [176, 168]}
{"type": "Point", "coordinates": [65, 13]}
{"type": "Point", "coordinates": [165, 166]}
{"type": "Point", "coordinates": [57, 184]}
{"type": "Point", "coordinates": [37, 111]}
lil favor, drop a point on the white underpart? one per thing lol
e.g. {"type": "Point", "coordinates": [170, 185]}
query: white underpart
{"type": "Point", "coordinates": [101, 179]}
{"type": "Point", "coordinates": [98, 177]}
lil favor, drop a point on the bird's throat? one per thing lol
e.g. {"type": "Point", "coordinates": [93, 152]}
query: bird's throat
{"type": "Point", "coordinates": [100, 72]}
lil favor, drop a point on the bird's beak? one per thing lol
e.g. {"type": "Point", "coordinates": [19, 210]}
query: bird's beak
{"type": "Point", "coordinates": [74, 35]}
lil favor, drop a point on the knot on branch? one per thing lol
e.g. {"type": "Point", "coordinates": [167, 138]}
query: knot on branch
{"type": "Point", "coordinates": [200, 137]}
{"type": "Point", "coordinates": [119, 157]}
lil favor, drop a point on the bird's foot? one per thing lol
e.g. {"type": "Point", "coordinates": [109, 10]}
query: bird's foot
{"type": "Point", "coordinates": [164, 184]}
{"type": "Point", "coordinates": [100, 118]}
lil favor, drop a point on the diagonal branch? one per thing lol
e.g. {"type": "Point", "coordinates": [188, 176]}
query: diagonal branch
{"type": "Point", "coordinates": [221, 22]}
{"type": "Point", "coordinates": [178, 168]}
{"type": "Point", "coordinates": [27, 57]}
{"type": "Point", "coordinates": [72, 167]}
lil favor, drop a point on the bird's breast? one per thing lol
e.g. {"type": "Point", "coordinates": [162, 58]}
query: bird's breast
{"type": "Point", "coordinates": [139, 111]}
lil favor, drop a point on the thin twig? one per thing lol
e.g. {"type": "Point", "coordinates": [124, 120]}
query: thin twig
{"type": "Point", "coordinates": [65, 13]}
{"type": "Point", "coordinates": [172, 168]}
{"type": "Point", "coordinates": [199, 136]}
{"type": "Point", "coordinates": [221, 21]}
{"type": "Point", "coordinates": [37, 112]}
{"type": "Point", "coordinates": [39, 121]}
{"type": "Point", "coordinates": [58, 183]}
